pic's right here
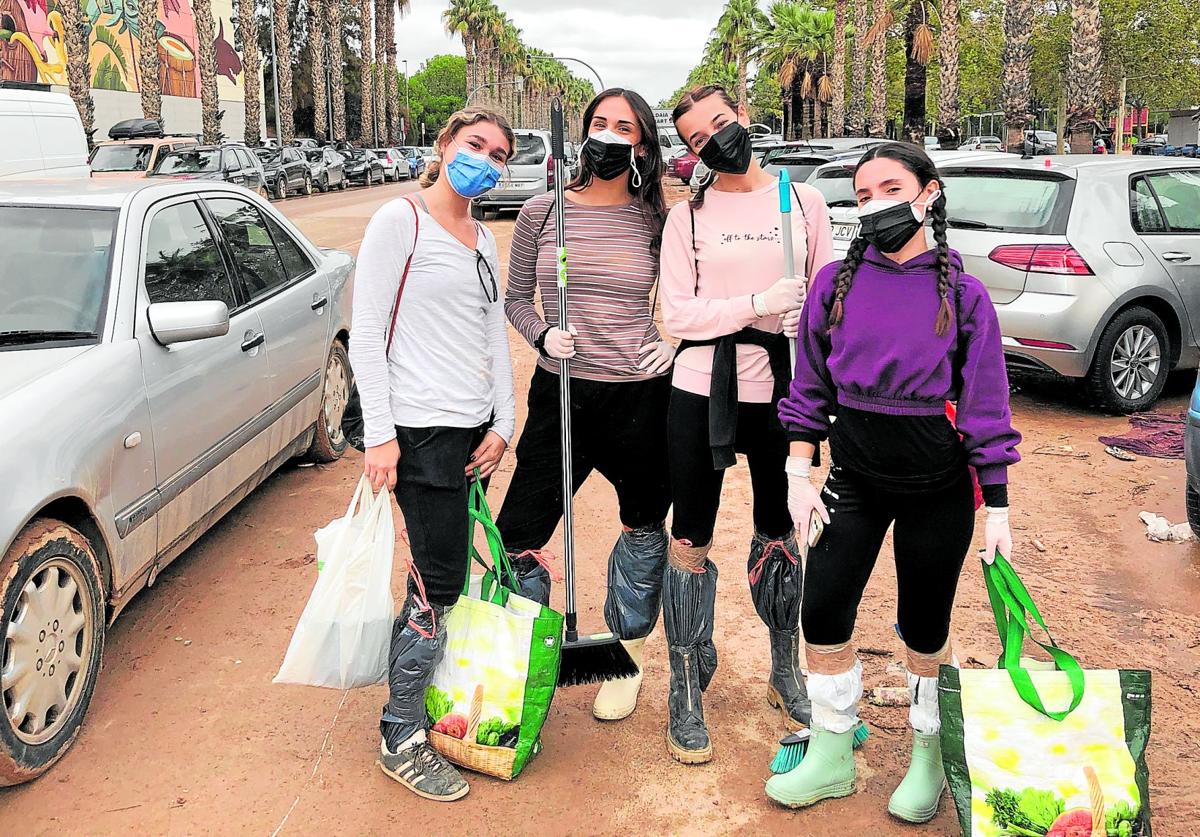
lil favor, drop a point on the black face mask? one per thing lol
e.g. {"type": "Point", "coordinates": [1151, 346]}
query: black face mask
{"type": "Point", "coordinates": [607, 160]}
{"type": "Point", "coordinates": [890, 229]}
{"type": "Point", "coordinates": [728, 150]}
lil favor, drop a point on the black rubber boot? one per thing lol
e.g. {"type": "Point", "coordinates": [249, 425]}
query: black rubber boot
{"type": "Point", "coordinates": [689, 602]}
{"type": "Point", "coordinates": [687, 735]}
{"type": "Point", "coordinates": [786, 691]}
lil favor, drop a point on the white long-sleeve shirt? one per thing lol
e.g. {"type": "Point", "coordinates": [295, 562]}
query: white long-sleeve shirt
{"type": "Point", "coordinates": [449, 364]}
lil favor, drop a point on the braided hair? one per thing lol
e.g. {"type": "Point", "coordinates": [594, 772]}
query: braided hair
{"type": "Point", "coordinates": [685, 104]}
{"type": "Point", "coordinates": [916, 161]}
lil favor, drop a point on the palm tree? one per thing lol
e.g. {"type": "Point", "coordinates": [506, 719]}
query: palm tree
{"type": "Point", "coordinates": [736, 32]}
{"type": "Point", "coordinates": [1083, 75]}
{"type": "Point", "coordinates": [878, 72]}
{"type": "Point", "coordinates": [316, 45]}
{"type": "Point", "coordinates": [918, 50]}
{"type": "Point", "coordinates": [948, 101]}
{"type": "Point", "coordinates": [493, 24]}
{"type": "Point", "coordinates": [148, 59]}
{"type": "Point", "coordinates": [282, 23]}
{"type": "Point", "coordinates": [251, 66]}
{"type": "Point", "coordinates": [465, 18]}
{"type": "Point", "coordinates": [394, 7]}
{"type": "Point", "coordinates": [857, 115]}
{"type": "Point", "coordinates": [75, 36]}
{"type": "Point", "coordinates": [837, 113]}
{"type": "Point", "coordinates": [512, 59]}
{"type": "Point", "coordinates": [381, 97]}
{"type": "Point", "coordinates": [206, 58]}
{"type": "Point", "coordinates": [338, 129]}
{"type": "Point", "coordinates": [1017, 61]}
{"type": "Point", "coordinates": [797, 47]}
{"type": "Point", "coordinates": [366, 116]}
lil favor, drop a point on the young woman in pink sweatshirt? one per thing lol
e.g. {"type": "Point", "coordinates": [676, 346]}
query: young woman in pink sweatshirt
{"type": "Point", "coordinates": [723, 295]}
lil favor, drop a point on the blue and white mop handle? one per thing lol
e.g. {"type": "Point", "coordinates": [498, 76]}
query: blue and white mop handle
{"type": "Point", "coordinates": [785, 226]}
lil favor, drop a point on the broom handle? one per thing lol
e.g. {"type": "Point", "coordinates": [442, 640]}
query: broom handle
{"type": "Point", "coordinates": [789, 254]}
{"type": "Point", "coordinates": [557, 149]}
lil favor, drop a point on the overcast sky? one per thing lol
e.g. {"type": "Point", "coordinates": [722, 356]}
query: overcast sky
{"type": "Point", "coordinates": [647, 45]}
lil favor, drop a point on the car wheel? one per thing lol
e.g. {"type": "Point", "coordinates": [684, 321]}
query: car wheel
{"type": "Point", "coordinates": [307, 185]}
{"type": "Point", "coordinates": [262, 192]}
{"type": "Point", "coordinates": [1193, 510]}
{"type": "Point", "coordinates": [1132, 361]}
{"type": "Point", "coordinates": [281, 188]}
{"type": "Point", "coordinates": [344, 185]}
{"type": "Point", "coordinates": [329, 443]}
{"type": "Point", "coordinates": [324, 185]}
{"type": "Point", "coordinates": [51, 646]}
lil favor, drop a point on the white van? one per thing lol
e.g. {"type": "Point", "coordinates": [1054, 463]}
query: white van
{"type": "Point", "coordinates": [41, 135]}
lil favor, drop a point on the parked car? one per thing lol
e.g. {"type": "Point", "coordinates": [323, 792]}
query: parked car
{"type": "Point", "coordinates": [683, 166]}
{"type": "Point", "coordinates": [286, 170]}
{"type": "Point", "coordinates": [232, 163]}
{"type": "Point", "coordinates": [983, 143]}
{"type": "Point", "coordinates": [670, 141]}
{"type": "Point", "coordinates": [327, 168]}
{"type": "Point", "coordinates": [394, 162]}
{"type": "Point", "coordinates": [133, 149]}
{"type": "Point", "coordinates": [1039, 143]}
{"type": "Point", "coordinates": [219, 334]}
{"type": "Point", "coordinates": [363, 167]}
{"type": "Point", "coordinates": [933, 144]}
{"type": "Point", "coordinates": [305, 142]}
{"type": "Point", "coordinates": [1191, 449]}
{"type": "Point", "coordinates": [41, 134]}
{"type": "Point", "coordinates": [530, 172]}
{"type": "Point", "coordinates": [800, 158]}
{"type": "Point", "coordinates": [1151, 145]}
{"type": "Point", "coordinates": [1093, 264]}
{"type": "Point", "coordinates": [416, 161]}
{"type": "Point", "coordinates": [428, 155]}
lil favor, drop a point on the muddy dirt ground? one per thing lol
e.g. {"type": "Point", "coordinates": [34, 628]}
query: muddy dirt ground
{"type": "Point", "coordinates": [187, 735]}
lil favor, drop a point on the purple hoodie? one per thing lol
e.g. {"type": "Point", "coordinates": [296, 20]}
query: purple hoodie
{"type": "Point", "coordinates": [885, 357]}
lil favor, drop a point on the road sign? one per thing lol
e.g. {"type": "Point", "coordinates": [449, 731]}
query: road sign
{"type": "Point", "coordinates": [662, 117]}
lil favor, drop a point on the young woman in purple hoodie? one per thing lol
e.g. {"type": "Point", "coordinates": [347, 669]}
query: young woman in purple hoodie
{"type": "Point", "coordinates": [888, 335]}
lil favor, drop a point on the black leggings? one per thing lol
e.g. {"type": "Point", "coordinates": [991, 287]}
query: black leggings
{"type": "Point", "coordinates": [696, 484]}
{"type": "Point", "coordinates": [932, 535]}
{"type": "Point", "coordinates": [617, 428]}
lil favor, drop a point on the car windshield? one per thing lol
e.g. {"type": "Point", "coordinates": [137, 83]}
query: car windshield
{"type": "Point", "coordinates": [531, 151]}
{"type": "Point", "coordinates": [267, 155]}
{"type": "Point", "coordinates": [315, 156]}
{"type": "Point", "coordinates": [192, 161]}
{"type": "Point", "coordinates": [54, 272]}
{"type": "Point", "coordinates": [1001, 201]}
{"type": "Point", "coordinates": [122, 157]}
{"type": "Point", "coordinates": [837, 185]}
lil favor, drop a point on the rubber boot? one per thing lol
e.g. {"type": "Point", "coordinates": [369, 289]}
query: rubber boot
{"type": "Point", "coordinates": [618, 698]}
{"type": "Point", "coordinates": [916, 799]}
{"type": "Point", "coordinates": [687, 735]}
{"type": "Point", "coordinates": [786, 690]}
{"type": "Point", "coordinates": [827, 771]}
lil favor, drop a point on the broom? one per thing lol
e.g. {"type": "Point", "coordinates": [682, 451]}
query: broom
{"type": "Point", "coordinates": [596, 657]}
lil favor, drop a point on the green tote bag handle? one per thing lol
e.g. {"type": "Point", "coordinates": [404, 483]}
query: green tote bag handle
{"type": "Point", "coordinates": [1011, 604]}
{"type": "Point", "coordinates": [498, 578]}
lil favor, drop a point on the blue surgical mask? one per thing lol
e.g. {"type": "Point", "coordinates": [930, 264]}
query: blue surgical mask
{"type": "Point", "coordinates": [471, 174]}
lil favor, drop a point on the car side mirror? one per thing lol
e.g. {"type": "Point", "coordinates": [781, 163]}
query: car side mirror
{"type": "Point", "coordinates": [186, 322]}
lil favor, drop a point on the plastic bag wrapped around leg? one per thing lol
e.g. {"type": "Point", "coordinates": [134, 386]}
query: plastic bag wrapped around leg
{"type": "Point", "coordinates": [418, 645]}
{"type": "Point", "coordinates": [635, 581]}
{"type": "Point", "coordinates": [689, 602]}
{"type": "Point", "coordinates": [835, 699]}
{"type": "Point", "coordinates": [776, 580]}
{"type": "Point", "coordinates": [534, 575]}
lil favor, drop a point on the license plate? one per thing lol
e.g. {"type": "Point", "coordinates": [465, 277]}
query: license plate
{"type": "Point", "coordinates": [844, 231]}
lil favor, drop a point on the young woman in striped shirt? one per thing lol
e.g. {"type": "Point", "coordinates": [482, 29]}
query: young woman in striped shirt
{"type": "Point", "coordinates": [619, 366]}
{"type": "Point", "coordinates": [722, 259]}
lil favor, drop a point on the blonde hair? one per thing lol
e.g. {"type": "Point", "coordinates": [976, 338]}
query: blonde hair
{"type": "Point", "coordinates": [458, 120]}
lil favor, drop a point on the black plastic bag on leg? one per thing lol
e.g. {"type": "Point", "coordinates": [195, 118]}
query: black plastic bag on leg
{"type": "Point", "coordinates": [776, 579]}
{"type": "Point", "coordinates": [635, 581]}
{"type": "Point", "coordinates": [689, 607]}
{"type": "Point", "coordinates": [418, 644]}
{"type": "Point", "coordinates": [533, 576]}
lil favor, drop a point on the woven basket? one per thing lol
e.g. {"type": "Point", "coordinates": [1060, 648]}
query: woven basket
{"type": "Point", "coordinates": [466, 752]}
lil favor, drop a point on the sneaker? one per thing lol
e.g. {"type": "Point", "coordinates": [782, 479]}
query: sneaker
{"type": "Point", "coordinates": [424, 771]}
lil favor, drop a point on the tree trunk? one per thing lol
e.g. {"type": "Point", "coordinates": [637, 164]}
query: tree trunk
{"type": "Point", "coordinates": [1083, 75]}
{"type": "Point", "coordinates": [251, 70]}
{"type": "Point", "coordinates": [818, 114]}
{"type": "Point", "coordinates": [148, 60]}
{"type": "Point", "coordinates": [879, 77]}
{"type": "Point", "coordinates": [1017, 60]}
{"type": "Point", "coordinates": [837, 78]}
{"type": "Point", "coordinates": [286, 130]}
{"type": "Point", "coordinates": [75, 36]}
{"type": "Point", "coordinates": [380, 67]}
{"type": "Point", "coordinates": [206, 59]}
{"type": "Point", "coordinates": [857, 106]}
{"type": "Point", "coordinates": [317, 43]}
{"type": "Point", "coordinates": [469, 48]}
{"type": "Point", "coordinates": [366, 121]}
{"type": "Point", "coordinates": [393, 77]}
{"type": "Point", "coordinates": [743, 90]}
{"type": "Point", "coordinates": [949, 131]}
{"type": "Point", "coordinates": [915, 76]}
{"type": "Point", "coordinates": [337, 71]}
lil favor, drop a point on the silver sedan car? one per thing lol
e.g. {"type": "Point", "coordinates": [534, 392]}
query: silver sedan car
{"type": "Point", "coordinates": [164, 347]}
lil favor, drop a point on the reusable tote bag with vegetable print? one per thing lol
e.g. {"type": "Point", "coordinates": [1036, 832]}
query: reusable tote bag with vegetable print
{"type": "Point", "coordinates": [1044, 753]}
{"type": "Point", "coordinates": [492, 690]}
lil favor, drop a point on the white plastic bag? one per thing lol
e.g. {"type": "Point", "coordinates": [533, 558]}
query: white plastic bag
{"type": "Point", "coordinates": [342, 638]}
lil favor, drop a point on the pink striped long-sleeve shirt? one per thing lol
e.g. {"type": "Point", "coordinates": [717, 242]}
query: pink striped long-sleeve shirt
{"type": "Point", "coordinates": [610, 274]}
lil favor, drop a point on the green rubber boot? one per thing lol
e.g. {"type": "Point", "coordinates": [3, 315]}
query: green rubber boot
{"type": "Point", "coordinates": [827, 771]}
{"type": "Point", "coordinates": [917, 797]}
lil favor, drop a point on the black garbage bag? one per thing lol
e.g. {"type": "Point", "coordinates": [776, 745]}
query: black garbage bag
{"type": "Point", "coordinates": [635, 581]}
{"type": "Point", "coordinates": [689, 605]}
{"type": "Point", "coordinates": [418, 643]}
{"type": "Point", "coordinates": [533, 576]}
{"type": "Point", "coordinates": [776, 580]}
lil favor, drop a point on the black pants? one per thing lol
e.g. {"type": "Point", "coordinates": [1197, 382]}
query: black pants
{"type": "Point", "coordinates": [431, 489]}
{"type": "Point", "coordinates": [932, 535]}
{"type": "Point", "coordinates": [696, 485]}
{"type": "Point", "coordinates": [618, 429]}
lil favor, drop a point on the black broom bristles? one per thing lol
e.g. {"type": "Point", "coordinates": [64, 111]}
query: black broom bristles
{"type": "Point", "coordinates": [594, 659]}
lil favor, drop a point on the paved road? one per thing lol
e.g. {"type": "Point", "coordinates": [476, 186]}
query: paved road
{"type": "Point", "coordinates": [187, 735]}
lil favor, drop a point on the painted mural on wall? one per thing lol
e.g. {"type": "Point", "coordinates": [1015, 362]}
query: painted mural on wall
{"type": "Point", "coordinates": [32, 47]}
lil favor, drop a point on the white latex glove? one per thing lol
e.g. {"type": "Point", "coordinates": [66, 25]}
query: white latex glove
{"type": "Point", "coordinates": [997, 537]}
{"type": "Point", "coordinates": [785, 295]}
{"type": "Point", "coordinates": [657, 357]}
{"type": "Point", "coordinates": [803, 498]}
{"type": "Point", "coordinates": [791, 323]}
{"type": "Point", "coordinates": [560, 344]}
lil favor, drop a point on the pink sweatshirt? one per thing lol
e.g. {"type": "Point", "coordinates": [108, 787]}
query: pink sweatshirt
{"type": "Point", "coordinates": [739, 250]}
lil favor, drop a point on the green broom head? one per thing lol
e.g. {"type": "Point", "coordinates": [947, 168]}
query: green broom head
{"type": "Point", "coordinates": [793, 747]}
{"type": "Point", "coordinates": [593, 659]}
